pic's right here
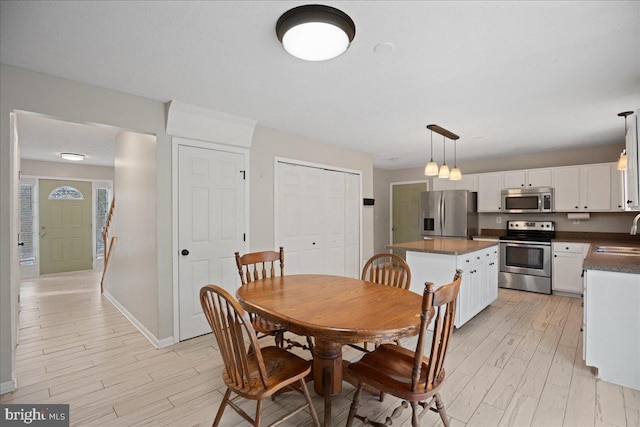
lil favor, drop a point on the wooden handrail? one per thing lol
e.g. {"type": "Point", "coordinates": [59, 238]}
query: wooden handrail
{"type": "Point", "coordinates": [107, 249]}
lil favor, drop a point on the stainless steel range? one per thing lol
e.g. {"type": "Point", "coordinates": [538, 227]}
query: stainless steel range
{"type": "Point", "coordinates": [525, 256]}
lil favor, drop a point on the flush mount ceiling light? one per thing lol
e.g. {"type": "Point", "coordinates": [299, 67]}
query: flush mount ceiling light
{"type": "Point", "coordinates": [315, 32]}
{"type": "Point", "coordinates": [622, 161]}
{"type": "Point", "coordinates": [72, 156]}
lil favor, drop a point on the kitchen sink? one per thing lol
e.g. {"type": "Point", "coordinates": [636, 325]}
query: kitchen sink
{"type": "Point", "coordinates": [618, 250]}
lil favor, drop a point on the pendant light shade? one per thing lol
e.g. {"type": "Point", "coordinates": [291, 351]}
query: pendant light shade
{"type": "Point", "coordinates": [444, 169]}
{"type": "Point", "coordinates": [456, 174]}
{"type": "Point", "coordinates": [431, 169]}
{"type": "Point", "coordinates": [315, 32]}
{"type": "Point", "coordinates": [622, 161]}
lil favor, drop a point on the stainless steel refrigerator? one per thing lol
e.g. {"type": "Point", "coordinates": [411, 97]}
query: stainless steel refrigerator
{"type": "Point", "coordinates": [449, 213]}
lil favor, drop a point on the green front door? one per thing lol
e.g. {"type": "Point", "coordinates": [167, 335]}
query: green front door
{"type": "Point", "coordinates": [65, 226]}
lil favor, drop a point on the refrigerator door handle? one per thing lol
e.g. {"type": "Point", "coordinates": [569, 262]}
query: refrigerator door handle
{"type": "Point", "coordinates": [444, 214]}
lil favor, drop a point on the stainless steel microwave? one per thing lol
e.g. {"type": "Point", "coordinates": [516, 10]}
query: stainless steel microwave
{"type": "Point", "coordinates": [527, 200]}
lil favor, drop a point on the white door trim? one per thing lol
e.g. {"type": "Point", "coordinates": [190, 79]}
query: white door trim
{"type": "Point", "coordinates": [277, 160]}
{"type": "Point", "coordinates": [391, 184]}
{"type": "Point", "coordinates": [175, 143]}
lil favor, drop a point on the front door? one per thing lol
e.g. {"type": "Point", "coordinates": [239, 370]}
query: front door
{"type": "Point", "coordinates": [211, 225]}
{"type": "Point", "coordinates": [65, 226]}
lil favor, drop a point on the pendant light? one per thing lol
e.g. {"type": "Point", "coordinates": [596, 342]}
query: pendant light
{"type": "Point", "coordinates": [431, 169]}
{"type": "Point", "coordinates": [444, 169]}
{"type": "Point", "coordinates": [622, 161]}
{"type": "Point", "coordinates": [456, 174]}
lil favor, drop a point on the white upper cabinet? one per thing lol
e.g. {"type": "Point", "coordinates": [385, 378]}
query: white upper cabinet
{"type": "Point", "coordinates": [595, 187]}
{"type": "Point", "coordinates": [489, 189]}
{"type": "Point", "coordinates": [567, 190]}
{"type": "Point", "coordinates": [618, 201]}
{"type": "Point", "coordinates": [539, 178]}
{"type": "Point", "coordinates": [527, 178]}
{"type": "Point", "coordinates": [585, 188]}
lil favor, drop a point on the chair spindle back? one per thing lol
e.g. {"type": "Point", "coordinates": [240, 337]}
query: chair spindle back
{"type": "Point", "coordinates": [232, 328]}
{"type": "Point", "coordinates": [439, 305]}
{"type": "Point", "coordinates": [387, 269]}
{"type": "Point", "coordinates": [259, 265]}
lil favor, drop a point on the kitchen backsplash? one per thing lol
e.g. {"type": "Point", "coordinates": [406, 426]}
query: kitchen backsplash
{"type": "Point", "coordinates": [605, 222]}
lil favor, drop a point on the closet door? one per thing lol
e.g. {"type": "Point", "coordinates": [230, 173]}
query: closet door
{"type": "Point", "coordinates": [300, 218]}
{"type": "Point", "coordinates": [318, 220]}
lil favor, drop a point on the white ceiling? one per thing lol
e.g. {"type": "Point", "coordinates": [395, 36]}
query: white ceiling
{"type": "Point", "coordinates": [508, 77]}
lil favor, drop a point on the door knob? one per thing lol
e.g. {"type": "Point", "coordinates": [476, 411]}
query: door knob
{"type": "Point", "coordinates": [21, 244]}
{"type": "Point", "coordinates": [185, 252]}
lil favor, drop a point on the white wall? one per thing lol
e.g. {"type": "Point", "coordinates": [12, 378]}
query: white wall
{"type": "Point", "coordinates": [65, 170]}
{"type": "Point", "coordinates": [269, 143]}
{"type": "Point", "coordinates": [130, 281]}
{"type": "Point", "coordinates": [39, 93]}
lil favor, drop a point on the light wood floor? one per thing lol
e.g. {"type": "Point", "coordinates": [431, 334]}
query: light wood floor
{"type": "Point", "coordinates": [519, 363]}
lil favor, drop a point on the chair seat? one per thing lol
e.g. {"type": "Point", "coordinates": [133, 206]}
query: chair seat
{"type": "Point", "coordinates": [283, 368]}
{"type": "Point", "coordinates": [265, 326]}
{"type": "Point", "coordinates": [388, 369]}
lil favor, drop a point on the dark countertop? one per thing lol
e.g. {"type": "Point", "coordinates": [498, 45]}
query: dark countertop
{"type": "Point", "coordinates": [596, 260]}
{"type": "Point", "coordinates": [443, 246]}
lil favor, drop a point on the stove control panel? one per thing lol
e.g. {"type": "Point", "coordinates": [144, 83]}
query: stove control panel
{"type": "Point", "coordinates": [531, 225]}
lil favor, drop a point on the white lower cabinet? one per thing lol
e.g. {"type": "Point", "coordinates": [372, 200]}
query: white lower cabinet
{"type": "Point", "coordinates": [566, 270]}
{"type": "Point", "coordinates": [611, 324]}
{"type": "Point", "coordinates": [479, 286]}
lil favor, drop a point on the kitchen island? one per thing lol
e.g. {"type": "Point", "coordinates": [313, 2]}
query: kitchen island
{"type": "Point", "coordinates": [435, 260]}
{"type": "Point", "coordinates": [611, 341]}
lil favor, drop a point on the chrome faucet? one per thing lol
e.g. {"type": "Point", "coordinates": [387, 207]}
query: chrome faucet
{"type": "Point", "coordinates": [634, 227]}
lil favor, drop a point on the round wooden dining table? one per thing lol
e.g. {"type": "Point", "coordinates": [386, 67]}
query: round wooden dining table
{"type": "Point", "coordinates": [335, 311]}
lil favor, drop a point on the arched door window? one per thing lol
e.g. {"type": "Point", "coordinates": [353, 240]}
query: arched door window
{"type": "Point", "coordinates": [66, 192]}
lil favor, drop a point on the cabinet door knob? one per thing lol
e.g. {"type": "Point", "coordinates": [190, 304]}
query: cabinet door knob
{"type": "Point", "coordinates": [555, 256]}
{"type": "Point", "coordinates": [585, 207]}
{"type": "Point", "coordinates": [567, 248]}
{"type": "Point", "coordinates": [576, 207]}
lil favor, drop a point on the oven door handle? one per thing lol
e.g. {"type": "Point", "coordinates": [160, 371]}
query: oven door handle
{"type": "Point", "coordinates": [521, 243]}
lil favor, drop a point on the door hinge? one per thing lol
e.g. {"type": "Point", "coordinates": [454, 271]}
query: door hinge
{"type": "Point", "coordinates": [244, 174]}
{"type": "Point", "coordinates": [244, 237]}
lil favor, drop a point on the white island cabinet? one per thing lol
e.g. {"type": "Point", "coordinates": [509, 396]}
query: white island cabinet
{"type": "Point", "coordinates": [612, 326]}
{"type": "Point", "coordinates": [479, 286]}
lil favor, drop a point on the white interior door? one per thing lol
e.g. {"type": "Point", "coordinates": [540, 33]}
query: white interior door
{"type": "Point", "coordinates": [318, 220]}
{"type": "Point", "coordinates": [211, 227]}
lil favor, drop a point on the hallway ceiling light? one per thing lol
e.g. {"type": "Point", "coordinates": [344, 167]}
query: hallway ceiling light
{"type": "Point", "coordinates": [72, 156]}
{"type": "Point", "coordinates": [315, 32]}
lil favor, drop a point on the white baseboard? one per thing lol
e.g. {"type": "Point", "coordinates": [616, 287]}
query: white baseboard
{"type": "Point", "coordinates": [7, 387]}
{"type": "Point", "coordinates": [165, 342]}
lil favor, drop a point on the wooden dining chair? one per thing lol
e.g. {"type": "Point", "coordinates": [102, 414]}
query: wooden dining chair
{"type": "Point", "coordinates": [263, 265]}
{"type": "Point", "coordinates": [249, 371]}
{"type": "Point", "coordinates": [385, 269]}
{"type": "Point", "coordinates": [407, 374]}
